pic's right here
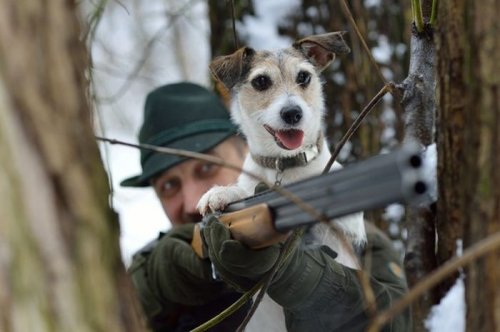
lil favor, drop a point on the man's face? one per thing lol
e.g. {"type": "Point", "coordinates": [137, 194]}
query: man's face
{"type": "Point", "coordinates": [180, 187]}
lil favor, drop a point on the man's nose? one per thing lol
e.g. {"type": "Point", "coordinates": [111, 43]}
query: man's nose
{"type": "Point", "coordinates": [192, 193]}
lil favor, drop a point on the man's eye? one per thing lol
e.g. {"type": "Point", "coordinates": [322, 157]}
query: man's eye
{"type": "Point", "coordinates": [261, 83]}
{"type": "Point", "coordinates": [207, 169]}
{"type": "Point", "coordinates": [303, 78]}
{"type": "Point", "coordinates": [170, 187]}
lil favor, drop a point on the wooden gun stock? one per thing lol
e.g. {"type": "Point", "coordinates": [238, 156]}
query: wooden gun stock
{"type": "Point", "coordinates": [267, 218]}
{"type": "Point", "coordinates": [252, 226]}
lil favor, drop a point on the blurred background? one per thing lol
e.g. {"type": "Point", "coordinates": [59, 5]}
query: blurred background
{"type": "Point", "coordinates": [54, 217]}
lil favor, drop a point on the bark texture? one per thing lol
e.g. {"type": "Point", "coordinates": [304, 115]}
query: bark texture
{"type": "Point", "coordinates": [419, 106]}
{"type": "Point", "coordinates": [60, 266]}
{"type": "Point", "coordinates": [482, 147]}
{"type": "Point", "coordinates": [452, 126]}
{"type": "Point", "coordinates": [470, 127]}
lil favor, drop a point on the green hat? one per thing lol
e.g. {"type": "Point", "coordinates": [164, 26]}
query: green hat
{"type": "Point", "coordinates": [181, 116]}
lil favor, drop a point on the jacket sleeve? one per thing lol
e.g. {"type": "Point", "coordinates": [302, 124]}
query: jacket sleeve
{"type": "Point", "coordinates": [165, 315]}
{"type": "Point", "coordinates": [324, 295]}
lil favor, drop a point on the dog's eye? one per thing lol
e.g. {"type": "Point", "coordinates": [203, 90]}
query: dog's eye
{"type": "Point", "coordinates": [303, 78]}
{"type": "Point", "coordinates": [261, 82]}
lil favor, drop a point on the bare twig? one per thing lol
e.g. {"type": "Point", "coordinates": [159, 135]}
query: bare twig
{"type": "Point", "coordinates": [369, 296]}
{"type": "Point", "coordinates": [416, 9]}
{"type": "Point", "coordinates": [266, 281]}
{"type": "Point", "coordinates": [219, 161]}
{"type": "Point", "coordinates": [95, 19]}
{"type": "Point", "coordinates": [481, 248]}
{"type": "Point", "coordinates": [228, 311]}
{"type": "Point", "coordinates": [433, 19]}
{"type": "Point", "coordinates": [145, 55]}
{"type": "Point", "coordinates": [107, 159]}
{"type": "Point", "coordinates": [387, 88]}
{"type": "Point", "coordinates": [233, 17]}
{"type": "Point", "coordinates": [183, 153]}
{"type": "Point", "coordinates": [121, 4]}
{"type": "Point", "coordinates": [363, 42]}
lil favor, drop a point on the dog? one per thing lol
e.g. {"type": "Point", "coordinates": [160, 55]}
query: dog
{"type": "Point", "coordinates": [277, 102]}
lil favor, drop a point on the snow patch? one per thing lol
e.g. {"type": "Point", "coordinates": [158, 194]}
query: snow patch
{"type": "Point", "coordinates": [449, 314]}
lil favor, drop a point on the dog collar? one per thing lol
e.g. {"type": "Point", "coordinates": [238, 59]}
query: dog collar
{"type": "Point", "coordinates": [301, 159]}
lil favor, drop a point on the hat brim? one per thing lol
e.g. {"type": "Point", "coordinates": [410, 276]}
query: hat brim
{"type": "Point", "coordinates": [160, 162]}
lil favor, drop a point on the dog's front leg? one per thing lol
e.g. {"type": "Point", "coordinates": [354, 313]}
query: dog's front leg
{"type": "Point", "coordinates": [217, 198]}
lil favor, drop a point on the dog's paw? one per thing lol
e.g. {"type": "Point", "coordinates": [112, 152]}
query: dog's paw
{"type": "Point", "coordinates": [217, 198]}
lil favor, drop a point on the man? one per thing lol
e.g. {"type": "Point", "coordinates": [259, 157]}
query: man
{"type": "Point", "coordinates": [176, 287]}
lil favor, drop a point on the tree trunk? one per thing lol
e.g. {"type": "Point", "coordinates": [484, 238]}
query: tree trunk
{"type": "Point", "coordinates": [419, 104]}
{"type": "Point", "coordinates": [482, 154]}
{"type": "Point", "coordinates": [470, 127]}
{"type": "Point", "coordinates": [452, 126]}
{"type": "Point", "coordinates": [60, 266]}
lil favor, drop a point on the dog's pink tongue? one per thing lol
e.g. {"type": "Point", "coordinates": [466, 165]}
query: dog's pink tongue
{"type": "Point", "coordinates": [291, 139]}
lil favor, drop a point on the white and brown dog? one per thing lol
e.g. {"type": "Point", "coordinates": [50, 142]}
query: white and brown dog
{"type": "Point", "coordinates": [277, 101]}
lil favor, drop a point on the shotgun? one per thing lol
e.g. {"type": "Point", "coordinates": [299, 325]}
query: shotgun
{"type": "Point", "coordinates": [266, 218]}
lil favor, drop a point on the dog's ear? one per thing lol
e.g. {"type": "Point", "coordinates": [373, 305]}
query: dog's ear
{"type": "Point", "coordinates": [321, 49]}
{"type": "Point", "coordinates": [231, 69]}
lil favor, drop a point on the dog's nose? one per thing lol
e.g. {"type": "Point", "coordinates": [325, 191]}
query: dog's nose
{"type": "Point", "coordinates": [291, 115]}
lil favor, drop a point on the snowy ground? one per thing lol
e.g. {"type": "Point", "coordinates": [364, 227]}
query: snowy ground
{"type": "Point", "coordinates": [449, 315]}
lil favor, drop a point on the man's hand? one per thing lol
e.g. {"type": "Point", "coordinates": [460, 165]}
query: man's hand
{"type": "Point", "coordinates": [237, 265]}
{"type": "Point", "coordinates": [178, 273]}
{"type": "Point", "coordinates": [295, 280]}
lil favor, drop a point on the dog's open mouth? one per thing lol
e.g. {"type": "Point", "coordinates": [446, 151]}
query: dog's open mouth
{"type": "Point", "coordinates": [289, 139]}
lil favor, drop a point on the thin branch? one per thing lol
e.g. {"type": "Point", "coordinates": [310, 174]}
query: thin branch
{"type": "Point", "coordinates": [369, 296]}
{"type": "Point", "coordinates": [233, 17]}
{"type": "Point", "coordinates": [416, 8]}
{"type": "Point", "coordinates": [434, 13]}
{"type": "Point", "coordinates": [107, 154]}
{"type": "Point", "coordinates": [121, 4]}
{"type": "Point", "coordinates": [387, 88]}
{"type": "Point", "coordinates": [481, 248]}
{"type": "Point", "coordinates": [137, 68]}
{"type": "Point", "coordinates": [363, 42]}
{"type": "Point", "coordinates": [182, 153]}
{"type": "Point", "coordinates": [89, 37]}
{"type": "Point", "coordinates": [228, 311]}
{"type": "Point", "coordinates": [145, 55]}
{"type": "Point", "coordinates": [268, 278]}
{"type": "Point", "coordinates": [94, 21]}
{"type": "Point", "coordinates": [219, 161]}
{"type": "Point", "coordinates": [370, 301]}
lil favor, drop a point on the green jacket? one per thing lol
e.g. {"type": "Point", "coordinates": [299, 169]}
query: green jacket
{"type": "Point", "coordinates": [336, 304]}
